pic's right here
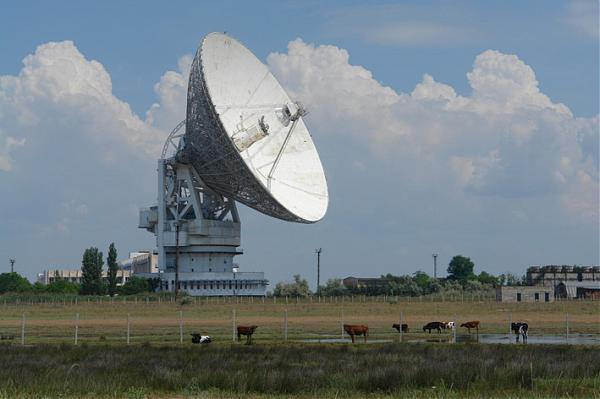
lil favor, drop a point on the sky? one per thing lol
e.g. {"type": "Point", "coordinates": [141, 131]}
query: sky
{"type": "Point", "coordinates": [458, 127]}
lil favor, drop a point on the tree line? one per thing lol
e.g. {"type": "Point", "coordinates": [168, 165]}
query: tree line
{"type": "Point", "coordinates": [92, 281]}
{"type": "Point", "coordinates": [461, 278]}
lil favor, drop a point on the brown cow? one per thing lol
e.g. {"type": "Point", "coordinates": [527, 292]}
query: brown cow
{"type": "Point", "coordinates": [397, 327]}
{"type": "Point", "coordinates": [434, 325]}
{"type": "Point", "coordinates": [356, 329]}
{"type": "Point", "coordinates": [247, 331]}
{"type": "Point", "coordinates": [471, 324]}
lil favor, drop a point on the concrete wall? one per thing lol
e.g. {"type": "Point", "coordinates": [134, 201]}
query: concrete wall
{"type": "Point", "coordinates": [514, 294]}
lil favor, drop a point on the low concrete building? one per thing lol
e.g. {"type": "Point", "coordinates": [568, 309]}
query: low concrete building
{"type": "Point", "coordinates": [552, 275]}
{"type": "Point", "coordinates": [74, 276]}
{"type": "Point", "coordinates": [578, 289]}
{"type": "Point", "coordinates": [360, 282]}
{"type": "Point", "coordinates": [515, 293]}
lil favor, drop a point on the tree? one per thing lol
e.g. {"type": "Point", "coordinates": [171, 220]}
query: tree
{"type": "Point", "coordinates": [460, 269]}
{"type": "Point", "coordinates": [111, 264]}
{"type": "Point", "coordinates": [13, 282]}
{"type": "Point", "coordinates": [334, 287]}
{"type": "Point", "coordinates": [91, 272]}
{"type": "Point", "coordinates": [135, 285]}
{"type": "Point", "coordinates": [510, 279]}
{"type": "Point", "coordinates": [487, 279]}
{"type": "Point", "coordinates": [299, 287]}
{"type": "Point", "coordinates": [422, 279]}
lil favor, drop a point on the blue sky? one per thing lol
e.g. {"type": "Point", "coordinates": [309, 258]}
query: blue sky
{"type": "Point", "coordinates": [413, 169]}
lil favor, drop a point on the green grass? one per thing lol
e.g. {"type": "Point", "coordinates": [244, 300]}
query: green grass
{"type": "Point", "coordinates": [299, 370]}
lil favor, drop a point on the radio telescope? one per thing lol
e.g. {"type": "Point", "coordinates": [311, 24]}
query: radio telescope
{"type": "Point", "coordinates": [243, 140]}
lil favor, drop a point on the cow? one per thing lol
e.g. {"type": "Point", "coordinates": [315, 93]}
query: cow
{"type": "Point", "coordinates": [200, 339]}
{"type": "Point", "coordinates": [471, 324]}
{"type": "Point", "coordinates": [450, 325]}
{"type": "Point", "coordinates": [356, 329]}
{"type": "Point", "coordinates": [434, 325]}
{"type": "Point", "coordinates": [247, 331]}
{"type": "Point", "coordinates": [404, 327]}
{"type": "Point", "coordinates": [520, 329]}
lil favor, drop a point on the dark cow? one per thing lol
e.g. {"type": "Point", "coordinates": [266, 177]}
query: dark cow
{"type": "Point", "coordinates": [356, 329]}
{"type": "Point", "coordinates": [200, 339]}
{"type": "Point", "coordinates": [471, 324]}
{"type": "Point", "coordinates": [520, 329]}
{"type": "Point", "coordinates": [247, 331]}
{"type": "Point", "coordinates": [434, 325]}
{"type": "Point", "coordinates": [404, 327]}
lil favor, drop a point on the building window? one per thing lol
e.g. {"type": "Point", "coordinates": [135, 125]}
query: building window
{"type": "Point", "coordinates": [537, 296]}
{"type": "Point", "coordinates": [579, 276]}
{"type": "Point", "coordinates": [185, 285]}
{"type": "Point", "coordinates": [546, 296]}
{"type": "Point", "coordinates": [211, 285]}
{"type": "Point", "coordinates": [205, 285]}
{"type": "Point", "coordinates": [518, 297]}
{"type": "Point", "coordinates": [229, 284]}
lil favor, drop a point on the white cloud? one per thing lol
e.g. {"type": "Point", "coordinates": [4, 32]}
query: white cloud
{"type": "Point", "coordinates": [415, 33]}
{"type": "Point", "coordinates": [58, 91]}
{"type": "Point", "coordinates": [172, 95]}
{"type": "Point", "coordinates": [7, 144]}
{"type": "Point", "coordinates": [583, 16]}
{"type": "Point", "coordinates": [507, 139]}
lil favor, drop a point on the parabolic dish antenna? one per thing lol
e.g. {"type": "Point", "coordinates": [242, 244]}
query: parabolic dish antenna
{"type": "Point", "coordinates": [246, 138]}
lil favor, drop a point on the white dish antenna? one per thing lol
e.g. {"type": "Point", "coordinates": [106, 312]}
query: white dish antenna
{"type": "Point", "coordinates": [246, 138]}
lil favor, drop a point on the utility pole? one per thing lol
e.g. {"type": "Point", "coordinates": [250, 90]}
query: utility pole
{"type": "Point", "coordinates": [12, 265]}
{"type": "Point", "coordinates": [176, 259]}
{"type": "Point", "coordinates": [434, 265]}
{"type": "Point", "coordinates": [318, 252]}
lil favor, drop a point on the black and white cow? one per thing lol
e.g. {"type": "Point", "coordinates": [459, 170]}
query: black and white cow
{"type": "Point", "coordinates": [200, 339]}
{"type": "Point", "coordinates": [520, 329]}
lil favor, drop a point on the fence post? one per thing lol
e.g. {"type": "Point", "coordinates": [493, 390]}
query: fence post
{"type": "Point", "coordinates": [181, 327]}
{"type": "Point", "coordinates": [76, 328]}
{"type": "Point", "coordinates": [285, 323]}
{"type": "Point", "coordinates": [23, 330]}
{"type": "Point", "coordinates": [342, 321]}
{"type": "Point", "coordinates": [454, 328]}
{"type": "Point", "coordinates": [233, 325]}
{"type": "Point", "coordinates": [401, 320]}
{"type": "Point", "coordinates": [567, 321]}
{"type": "Point", "coordinates": [128, 328]}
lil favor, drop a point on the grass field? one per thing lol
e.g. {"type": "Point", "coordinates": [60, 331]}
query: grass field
{"type": "Point", "coordinates": [159, 323]}
{"type": "Point", "coordinates": [300, 371]}
{"type": "Point", "coordinates": [155, 364]}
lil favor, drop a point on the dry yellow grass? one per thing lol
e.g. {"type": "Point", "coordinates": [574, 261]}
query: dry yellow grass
{"type": "Point", "coordinates": [154, 322]}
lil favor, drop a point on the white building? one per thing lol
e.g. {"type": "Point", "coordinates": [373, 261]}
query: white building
{"type": "Point", "coordinates": [140, 262]}
{"type": "Point", "coordinates": [74, 276]}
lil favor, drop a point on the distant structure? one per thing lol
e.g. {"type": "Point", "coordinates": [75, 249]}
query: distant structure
{"type": "Point", "coordinates": [524, 294]}
{"type": "Point", "coordinates": [140, 262]}
{"type": "Point", "coordinates": [566, 281]}
{"type": "Point", "coordinates": [74, 276]}
{"type": "Point", "coordinates": [363, 282]}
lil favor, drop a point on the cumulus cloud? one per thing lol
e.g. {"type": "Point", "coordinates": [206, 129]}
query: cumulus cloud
{"type": "Point", "coordinates": [58, 90]}
{"type": "Point", "coordinates": [172, 96]}
{"type": "Point", "coordinates": [9, 143]}
{"type": "Point", "coordinates": [506, 139]}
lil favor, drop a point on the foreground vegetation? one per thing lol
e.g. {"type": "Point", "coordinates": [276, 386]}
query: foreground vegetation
{"type": "Point", "coordinates": [416, 370]}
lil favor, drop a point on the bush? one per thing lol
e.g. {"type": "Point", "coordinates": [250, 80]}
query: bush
{"type": "Point", "coordinates": [14, 282]}
{"type": "Point", "coordinates": [135, 285]}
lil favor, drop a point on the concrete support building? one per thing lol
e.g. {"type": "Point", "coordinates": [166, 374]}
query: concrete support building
{"type": "Point", "coordinates": [513, 294]}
